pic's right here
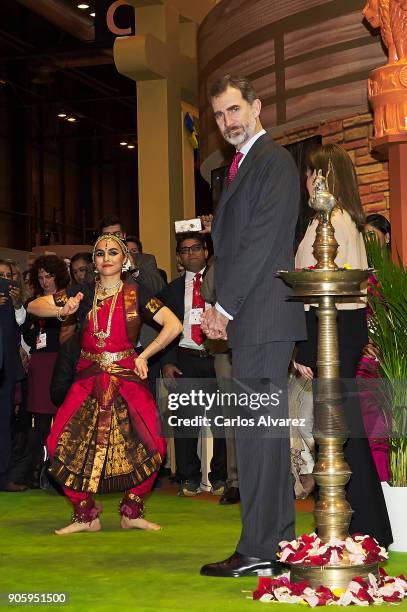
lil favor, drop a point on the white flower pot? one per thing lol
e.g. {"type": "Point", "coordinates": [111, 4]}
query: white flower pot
{"type": "Point", "coordinates": [396, 502]}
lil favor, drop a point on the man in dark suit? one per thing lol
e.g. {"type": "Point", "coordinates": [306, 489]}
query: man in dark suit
{"type": "Point", "coordinates": [187, 358]}
{"type": "Point", "coordinates": [223, 368]}
{"type": "Point", "coordinates": [11, 370]}
{"type": "Point", "coordinates": [136, 250]}
{"type": "Point", "coordinates": [253, 236]}
{"type": "Point", "coordinates": [145, 269]}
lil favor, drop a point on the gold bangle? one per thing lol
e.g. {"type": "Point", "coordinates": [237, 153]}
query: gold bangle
{"type": "Point", "coordinates": [141, 357]}
{"type": "Point", "coordinates": [59, 316]}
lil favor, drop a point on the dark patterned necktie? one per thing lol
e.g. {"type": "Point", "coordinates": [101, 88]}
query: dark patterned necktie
{"type": "Point", "coordinates": [234, 166]}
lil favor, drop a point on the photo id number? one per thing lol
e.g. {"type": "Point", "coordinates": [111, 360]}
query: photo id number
{"type": "Point", "coordinates": [34, 598]}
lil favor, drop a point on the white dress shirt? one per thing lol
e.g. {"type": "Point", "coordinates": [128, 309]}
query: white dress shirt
{"type": "Point", "coordinates": [20, 315]}
{"type": "Point", "coordinates": [186, 338]}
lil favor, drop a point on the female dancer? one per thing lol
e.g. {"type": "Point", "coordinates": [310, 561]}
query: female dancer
{"type": "Point", "coordinates": [364, 491]}
{"type": "Point", "coordinates": [106, 435]}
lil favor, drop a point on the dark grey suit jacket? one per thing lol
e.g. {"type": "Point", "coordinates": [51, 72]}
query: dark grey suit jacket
{"type": "Point", "coordinates": [150, 278]}
{"type": "Point", "coordinates": [11, 368]}
{"type": "Point", "coordinates": [253, 237]}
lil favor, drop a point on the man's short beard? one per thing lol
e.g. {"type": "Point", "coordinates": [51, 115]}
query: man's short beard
{"type": "Point", "coordinates": [248, 131]}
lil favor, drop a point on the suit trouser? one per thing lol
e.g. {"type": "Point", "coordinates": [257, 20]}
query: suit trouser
{"type": "Point", "coordinates": [263, 463]}
{"type": "Point", "coordinates": [37, 438]}
{"type": "Point", "coordinates": [6, 406]}
{"type": "Point", "coordinates": [188, 462]}
{"type": "Point", "coordinates": [20, 427]}
{"type": "Point", "coordinates": [223, 369]}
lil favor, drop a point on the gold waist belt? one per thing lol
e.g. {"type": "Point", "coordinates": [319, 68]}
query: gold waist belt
{"type": "Point", "coordinates": [107, 359]}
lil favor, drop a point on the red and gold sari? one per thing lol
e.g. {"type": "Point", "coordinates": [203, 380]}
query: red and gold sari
{"type": "Point", "coordinates": [106, 435]}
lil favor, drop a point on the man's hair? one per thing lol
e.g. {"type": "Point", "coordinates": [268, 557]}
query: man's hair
{"type": "Point", "coordinates": [190, 236]}
{"type": "Point", "coordinates": [237, 82]}
{"type": "Point", "coordinates": [107, 221]}
{"type": "Point", "coordinates": [137, 240]}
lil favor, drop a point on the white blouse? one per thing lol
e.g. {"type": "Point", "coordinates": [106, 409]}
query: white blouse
{"type": "Point", "coordinates": [351, 250]}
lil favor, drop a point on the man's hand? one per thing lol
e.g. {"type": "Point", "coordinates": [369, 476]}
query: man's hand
{"type": "Point", "coordinates": [72, 305]}
{"type": "Point", "coordinates": [25, 358]}
{"type": "Point", "coordinates": [3, 299]}
{"type": "Point", "coordinates": [206, 221]}
{"type": "Point", "coordinates": [170, 372]}
{"type": "Point", "coordinates": [15, 295]}
{"type": "Point", "coordinates": [214, 324]}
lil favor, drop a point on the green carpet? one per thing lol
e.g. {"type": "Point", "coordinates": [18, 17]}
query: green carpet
{"type": "Point", "coordinates": [127, 570]}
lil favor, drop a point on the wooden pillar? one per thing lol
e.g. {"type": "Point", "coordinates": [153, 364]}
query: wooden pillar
{"type": "Point", "coordinates": [159, 168]}
{"type": "Point", "coordinates": [396, 148]}
{"type": "Point", "coordinates": [162, 59]}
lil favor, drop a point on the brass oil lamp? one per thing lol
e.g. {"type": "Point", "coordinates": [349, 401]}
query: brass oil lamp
{"type": "Point", "coordinates": [324, 285]}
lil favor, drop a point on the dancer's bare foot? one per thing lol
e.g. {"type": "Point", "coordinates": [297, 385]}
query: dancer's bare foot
{"type": "Point", "coordinates": [77, 527]}
{"type": "Point", "coordinates": [138, 523]}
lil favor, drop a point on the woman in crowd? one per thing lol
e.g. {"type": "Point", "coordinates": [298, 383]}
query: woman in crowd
{"type": "Point", "coordinates": [48, 277]}
{"type": "Point", "coordinates": [27, 283]}
{"type": "Point", "coordinates": [364, 490]}
{"type": "Point", "coordinates": [106, 435]}
{"type": "Point", "coordinates": [78, 267]}
{"type": "Point", "coordinates": [378, 228]}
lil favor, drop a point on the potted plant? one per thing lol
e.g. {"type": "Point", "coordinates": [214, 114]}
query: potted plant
{"type": "Point", "coordinates": [388, 332]}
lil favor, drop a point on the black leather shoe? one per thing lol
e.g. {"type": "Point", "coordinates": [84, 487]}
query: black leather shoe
{"type": "Point", "coordinates": [240, 565]}
{"type": "Point", "coordinates": [230, 496]}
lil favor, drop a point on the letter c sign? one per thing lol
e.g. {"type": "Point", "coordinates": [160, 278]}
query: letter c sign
{"type": "Point", "coordinates": [114, 29]}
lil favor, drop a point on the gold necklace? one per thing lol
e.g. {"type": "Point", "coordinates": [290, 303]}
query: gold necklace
{"type": "Point", "coordinates": [102, 335]}
{"type": "Point", "coordinates": [104, 290]}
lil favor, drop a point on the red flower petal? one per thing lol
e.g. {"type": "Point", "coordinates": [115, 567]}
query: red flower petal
{"type": "Point", "coordinates": [317, 560]}
{"type": "Point", "coordinates": [360, 581]}
{"type": "Point", "coordinates": [369, 544]}
{"type": "Point", "coordinates": [363, 595]}
{"type": "Point", "coordinates": [392, 598]}
{"type": "Point", "coordinates": [308, 539]}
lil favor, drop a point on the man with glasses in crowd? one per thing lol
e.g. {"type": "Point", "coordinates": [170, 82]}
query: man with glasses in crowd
{"type": "Point", "coordinates": [187, 358]}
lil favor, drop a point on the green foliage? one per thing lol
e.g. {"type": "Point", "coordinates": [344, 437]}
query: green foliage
{"type": "Point", "coordinates": [388, 331]}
